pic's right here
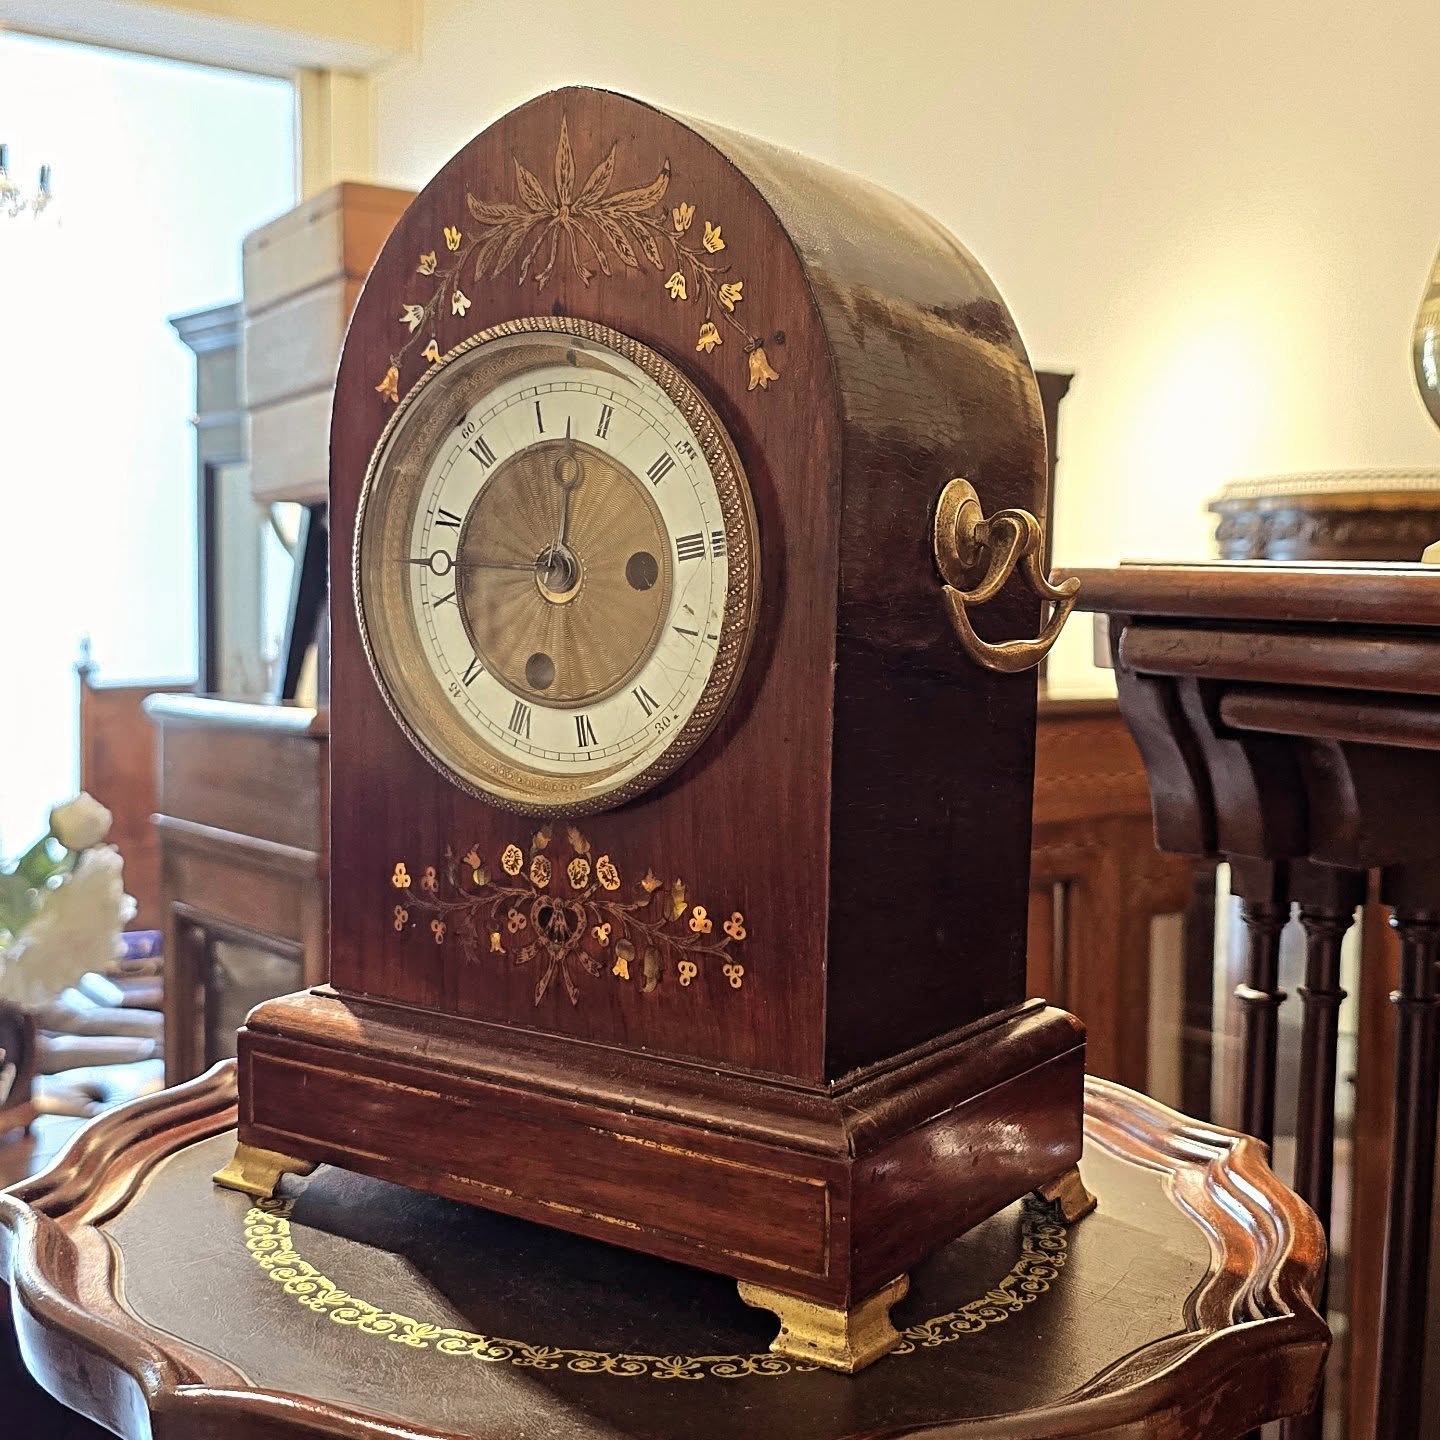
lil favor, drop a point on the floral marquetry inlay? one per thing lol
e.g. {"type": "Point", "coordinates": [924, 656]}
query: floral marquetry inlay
{"type": "Point", "coordinates": [565, 912]}
{"type": "Point", "coordinates": [593, 228]}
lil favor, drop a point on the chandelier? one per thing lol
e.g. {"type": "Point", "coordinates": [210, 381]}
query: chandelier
{"type": "Point", "coordinates": [13, 200]}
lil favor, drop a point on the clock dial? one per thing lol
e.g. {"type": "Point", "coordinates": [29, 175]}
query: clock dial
{"type": "Point", "coordinates": [555, 566]}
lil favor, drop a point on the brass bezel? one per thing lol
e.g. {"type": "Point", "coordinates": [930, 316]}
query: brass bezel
{"type": "Point", "coordinates": [413, 694]}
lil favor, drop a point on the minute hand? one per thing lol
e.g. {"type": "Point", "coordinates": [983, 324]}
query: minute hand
{"type": "Point", "coordinates": [495, 565]}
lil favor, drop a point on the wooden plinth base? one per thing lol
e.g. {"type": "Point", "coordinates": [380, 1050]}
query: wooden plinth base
{"type": "Point", "coordinates": [819, 1195]}
{"type": "Point", "coordinates": [836, 1338]}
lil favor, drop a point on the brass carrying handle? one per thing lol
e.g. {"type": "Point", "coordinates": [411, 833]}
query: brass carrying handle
{"type": "Point", "coordinates": [967, 545]}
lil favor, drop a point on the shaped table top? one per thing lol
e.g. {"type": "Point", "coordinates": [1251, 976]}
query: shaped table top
{"type": "Point", "coordinates": [157, 1304]}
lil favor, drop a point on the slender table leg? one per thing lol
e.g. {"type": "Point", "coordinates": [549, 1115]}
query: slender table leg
{"type": "Point", "coordinates": [1198, 1038]}
{"type": "Point", "coordinates": [1327, 898]}
{"type": "Point", "coordinates": [1412, 1174]}
{"type": "Point", "coordinates": [1261, 886]}
{"type": "Point", "coordinates": [1265, 909]}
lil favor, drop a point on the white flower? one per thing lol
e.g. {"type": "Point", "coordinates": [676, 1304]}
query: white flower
{"type": "Point", "coordinates": [76, 929]}
{"type": "Point", "coordinates": [80, 823]}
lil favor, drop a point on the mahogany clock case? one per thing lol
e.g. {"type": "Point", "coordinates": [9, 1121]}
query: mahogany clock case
{"type": "Point", "coordinates": [848, 1043]}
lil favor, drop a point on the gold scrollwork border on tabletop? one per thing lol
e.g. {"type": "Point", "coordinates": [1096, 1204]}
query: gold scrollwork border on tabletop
{"type": "Point", "coordinates": [592, 225]}
{"type": "Point", "coordinates": [271, 1243]}
{"type": "Point", "coordinates": [568, 916]}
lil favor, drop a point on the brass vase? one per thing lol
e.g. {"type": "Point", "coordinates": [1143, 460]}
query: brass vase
{"type": "Point", "coordinates": [1427, 344]}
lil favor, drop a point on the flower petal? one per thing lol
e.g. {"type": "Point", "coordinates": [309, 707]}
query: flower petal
{"type": "Point", "coordinates": [761, 371]}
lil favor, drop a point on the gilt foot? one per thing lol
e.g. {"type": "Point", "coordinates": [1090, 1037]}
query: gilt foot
{"type": "Point", "coordinates": [257, 1172]}
{"type": "Point", "coordinates": [1067, 1194]}
{"type": "Point", "coordinates": [832, 1336]}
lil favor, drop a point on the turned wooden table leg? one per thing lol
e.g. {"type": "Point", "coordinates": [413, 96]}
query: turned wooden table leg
{"type": "Point", "coordinates": [1416, 901]}
{"type": "Point", "coordinates": [1327, 898]}
{"type": "Point", "coordinates": [1262, 888]}
{"type": "Point", "coordinates": [1265, 909]}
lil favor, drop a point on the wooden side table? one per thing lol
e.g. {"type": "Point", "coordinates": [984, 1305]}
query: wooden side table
{"type": "Point", "coordinates": [157, 1305]}
{"type": "Point", "coordinates": [1356, 515]}
{"type": "Point", "coordinates": [1290, 720]}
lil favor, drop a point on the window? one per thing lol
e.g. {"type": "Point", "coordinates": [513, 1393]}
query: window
{"type": "Point", "coordinates": [160, 169]}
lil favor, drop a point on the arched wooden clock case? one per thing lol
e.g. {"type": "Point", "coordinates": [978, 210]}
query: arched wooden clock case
{"type": "Point", "coordinates": [766, 1016]}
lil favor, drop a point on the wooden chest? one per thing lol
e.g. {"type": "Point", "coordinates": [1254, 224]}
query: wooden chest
{"type": "Point", "coordinates": [302, 276]}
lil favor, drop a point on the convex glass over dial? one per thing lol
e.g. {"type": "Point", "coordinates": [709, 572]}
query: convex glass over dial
{"type": "Point", "coordinates": [555, 564]}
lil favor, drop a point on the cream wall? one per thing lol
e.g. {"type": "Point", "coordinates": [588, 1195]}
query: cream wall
{"type": "Point", "coordinates": [1219, 215]}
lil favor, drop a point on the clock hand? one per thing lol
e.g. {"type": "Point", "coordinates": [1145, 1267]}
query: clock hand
{"type": "Point", "coordinates": [496, 565]}
{"type": "Point", "coordinates": [568, 474]}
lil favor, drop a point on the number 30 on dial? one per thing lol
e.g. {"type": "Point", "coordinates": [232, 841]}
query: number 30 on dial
{"type": "Point", "coordinates": [556, 568]}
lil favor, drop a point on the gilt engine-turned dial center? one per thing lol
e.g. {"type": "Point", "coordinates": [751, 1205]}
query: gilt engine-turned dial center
{"type": "Point", "coordinates": [556, 568]}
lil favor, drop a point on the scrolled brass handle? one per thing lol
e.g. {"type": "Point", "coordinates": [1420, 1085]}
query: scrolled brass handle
{"type": "Point", "coordinates": [977, 556]}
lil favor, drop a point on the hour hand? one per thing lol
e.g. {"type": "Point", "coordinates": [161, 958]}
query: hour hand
{"type": "Point", "coordinates": [569, 472]}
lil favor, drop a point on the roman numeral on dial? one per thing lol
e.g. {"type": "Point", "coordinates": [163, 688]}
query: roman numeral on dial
{"type": "Point", "coordinates": [482, 452]}
{"type": "Point", "coordinates": [473, 671]}
{"type": "Point", "coordinates": [602, 430]}
{"type": "Point", "coordinates": [447, 517]}
{"type": "Point", "coordinates": [539, 419]}
{"type": "Point", "coordinates": [520, 719]}
{"type": "Point", "coordinates": [443, 600]}
{"type": "Point", "coordinates": [717, 543]}
{"type": "Point", "coordinates": [690, 547]}
{"type": "Point", "coordinates": [645, 699]}
{"type": "Point", "coordinates": [584, 732]}
{"type": "Point", "coordinates": [661, 468]}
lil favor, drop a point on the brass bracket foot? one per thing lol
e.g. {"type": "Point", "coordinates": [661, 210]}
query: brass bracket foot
{"type": "Point", "coordinates": [839, 1339]}
{"type": "Point", "coordinates": [1068, 1196]}
{"type": "Point", "coordinates": [257, 1172]}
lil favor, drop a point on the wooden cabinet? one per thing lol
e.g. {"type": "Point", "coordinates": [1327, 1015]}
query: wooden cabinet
{"type": "Point", "coordinates": [243, 838]}
{"type": "Point", "coordinates": [1097, 881]}
{"type": "Point", "coordinates": [303, 274]}
{"type": "Point", "coordinates": [117, 767]}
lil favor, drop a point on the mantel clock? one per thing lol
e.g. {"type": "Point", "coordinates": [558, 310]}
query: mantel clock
{"type": "Point", "coordinates": [682, 723]}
